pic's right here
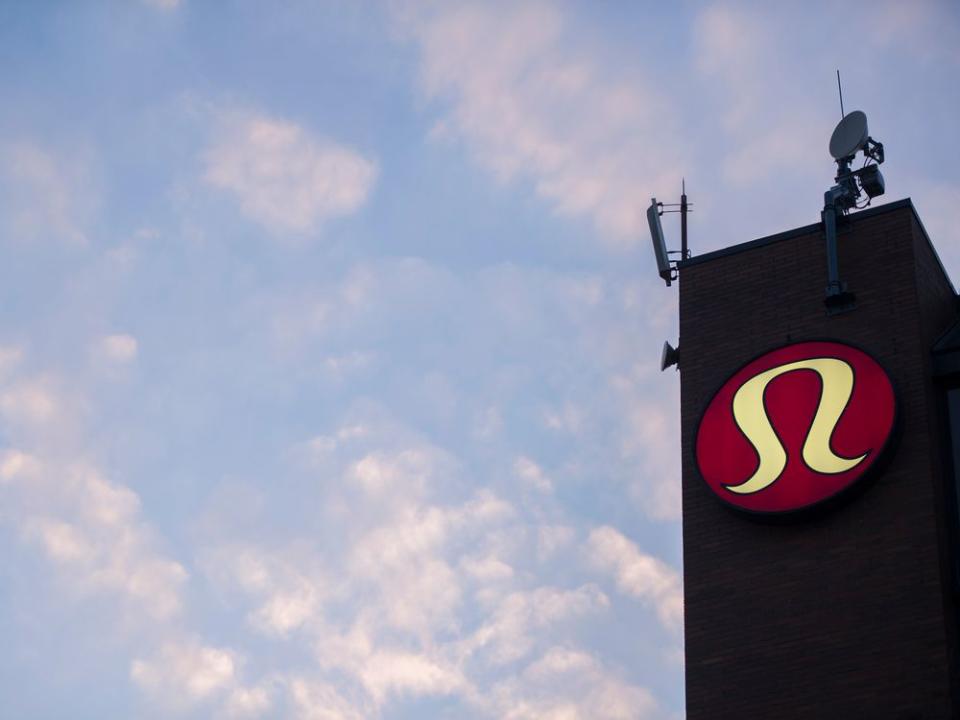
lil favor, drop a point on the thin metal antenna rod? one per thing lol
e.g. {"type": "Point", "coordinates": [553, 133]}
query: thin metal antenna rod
{"type": "Point", "coordinates": [684, 253]}
{"type": "Point", "coordinates": [840, 90]}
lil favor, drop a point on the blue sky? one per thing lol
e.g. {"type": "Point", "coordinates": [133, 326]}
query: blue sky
{"type": "Point", "coordinates": [329, 334]}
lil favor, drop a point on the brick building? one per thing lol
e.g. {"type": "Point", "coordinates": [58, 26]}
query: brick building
{"type": "Point", "coordinates": [848, 612]}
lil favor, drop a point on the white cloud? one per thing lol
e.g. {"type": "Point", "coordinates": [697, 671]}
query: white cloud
{"type": "Point", "coordinates": [553, 538]}
{"type": "Point", "coordinates": [288, 591]}
{"type": "Point", "coordinates": [528, 106]}
{"type": "Point", "coordinates": [405, 473]}
{"type": "Point", "coordinates": [639, 575]}
{"type": "Point", "coordinates": [166, 5]}
{"type": "Point", "coordinates": [648, 435]}
{"type": "Point", "coordinates": [186, 670]}
{"type": "Point", "coordinates": [421, 598]}
{"type": "Point", "coordinates": [14, 463]}
{"type": "Point", "coordinates": [731, 41]}
{"type": "Point", "coordinates": [408, 674]}
{"type": "Point", "coordinates": [926, 30]}
{"type": "Point", "coordinates": [247, 703]}
{"type": "Point", "coordinates": [512, 630]}
{"type": "Point", "coordinates": [568, 418]}
{"type": "Point", "coordinates": [46, 195]}
{"type": "Point", "coordinates": [92, 530]}
{"type": "Point", "coordinates": [32, 402]}
{"type": "Point", "coordinates": [10, 357]}
{"type": "Point", "coordinates": [532, 474]}
{"type": "Point", "coordinates": [118, 349]}
{"type": "Point", "coordinates": [320, 701]}
{"type": "Point", "coordinates": [487, 570]}
{"type": "Point", "coordinates": [568, 684]}
{"type": "Point", "coordinates": [285, 178]}
{"type": "Point", "coordinates": [769, 132]}
{"type": "Point", "coordinates": [283, 612]}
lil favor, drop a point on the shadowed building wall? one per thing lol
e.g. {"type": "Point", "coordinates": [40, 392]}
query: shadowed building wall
{"type": "Point", "coordinates": [848, 613]}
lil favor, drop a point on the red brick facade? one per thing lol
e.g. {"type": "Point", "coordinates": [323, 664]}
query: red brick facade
{"type": "Point", "coordinates": [848, 614]}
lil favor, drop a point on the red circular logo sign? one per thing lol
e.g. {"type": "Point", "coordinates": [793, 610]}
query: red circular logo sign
{"type": "Point", "coordinates": [795, 427]}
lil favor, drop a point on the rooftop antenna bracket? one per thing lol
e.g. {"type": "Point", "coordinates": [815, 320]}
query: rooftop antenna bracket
{"type": "Point", "coordinates": [667, 267]}
{"type": "Point", "coordinates": [849, 137]}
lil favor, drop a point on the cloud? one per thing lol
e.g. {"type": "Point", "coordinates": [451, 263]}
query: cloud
{"type": "Point", "coordinates": [46, 195]}
{"type": "Point", "coordinates": [10, 357]}
{"type": "Point", "coordinates": [117, 349]}
{"type": "Point", "coordinates": [283, 177]}
{"type": "Point", "coordinates": [638, 575]}
{"type": "Point", "coordinates": [91, 530]}
{"type": "Point", "coordinates": [32, 402]}
{"type": "Point", "coordinates": [926, 30]}
{"type": "Point", "coordinates": [405, 561]}
{"type": "Point", "coordinates": [553, 538]}
{"type": "Point", "coordinates": [568, 684]}
{"type": "Point", "coordinates": [288, 590]}
{"type": "Point", "coordinates": [529, 103]}
{"type": "Point", "coordinates": [188, 668]}
{"type": "Point", "coordinates": [588, 336]}
{"type": "Point", "coordinates": [431, 592]}
{"type": "Point", "coordinates": [409, 566]}
{"type": "Point", "coordinates": [532, 474]}
{"type": "Point", "coordinates": [247, 703]}
{"type": "Point", "coordinates": [409, 674]}
{"type": "Point", "coordinates": [733, 44]}
{"type": "Point", "coordinates": [93, 533]}
{"type": "Point", "coordinates": [315, 700]}
{"type": "Point", "coordinates": [513, 628]}
{"type": "Point", "coordinates": [166, 5]}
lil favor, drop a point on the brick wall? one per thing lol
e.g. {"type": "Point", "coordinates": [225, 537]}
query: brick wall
{"type": "Point", "coordinates": [847, 614]}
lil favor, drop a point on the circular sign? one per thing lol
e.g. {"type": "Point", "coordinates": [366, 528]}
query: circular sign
{"type": "Point", "coordinates": [795, 427]}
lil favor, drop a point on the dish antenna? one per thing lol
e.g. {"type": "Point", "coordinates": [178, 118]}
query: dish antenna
{"type": "Point", "coordinates": [850, 137]}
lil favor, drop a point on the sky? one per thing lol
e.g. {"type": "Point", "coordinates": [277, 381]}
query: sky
{"type": "Point", "coordinates": [330, 334]}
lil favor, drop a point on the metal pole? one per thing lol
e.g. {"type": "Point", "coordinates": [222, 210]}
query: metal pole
{"type": "Point", "coordinates": [684, 253]}
{"type": "Point", "coordinates": [838, 300]}
{"type": "Point", "coordinates": [830, 228]}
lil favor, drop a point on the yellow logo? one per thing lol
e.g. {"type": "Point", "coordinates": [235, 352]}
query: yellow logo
{"type": "Point", "coordinates": [750, 414]}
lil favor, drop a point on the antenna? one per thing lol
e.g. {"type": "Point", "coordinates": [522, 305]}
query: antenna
{"type": "Point", "coordinates": [684, 252]}
{"type": "Point", "coordinates": [659, 243]}
{"type": "Point", "coordinates": [666, 268]}
{"type": "Point", "coordinates": [849, 137]}
{"type": "Point", "coordinates": [840, 90]}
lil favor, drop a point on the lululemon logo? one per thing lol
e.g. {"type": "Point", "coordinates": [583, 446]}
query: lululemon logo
{"type": "Point", "coordinates": [795, 427]}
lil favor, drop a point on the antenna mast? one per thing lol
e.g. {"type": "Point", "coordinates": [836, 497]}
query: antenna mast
{"type": "Point", "coordinates": [849, 138]}
{"type": "Point", "coordinates": [684, 251]}
{"type": "Point", "coordinates": [840, 90]}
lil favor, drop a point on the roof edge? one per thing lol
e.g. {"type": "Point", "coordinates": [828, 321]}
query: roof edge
{"type": "Point", "coordinates": [806, 230]}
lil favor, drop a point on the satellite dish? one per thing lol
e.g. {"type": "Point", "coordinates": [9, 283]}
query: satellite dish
{"type": "Point", "coordinates": [849, 136]}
